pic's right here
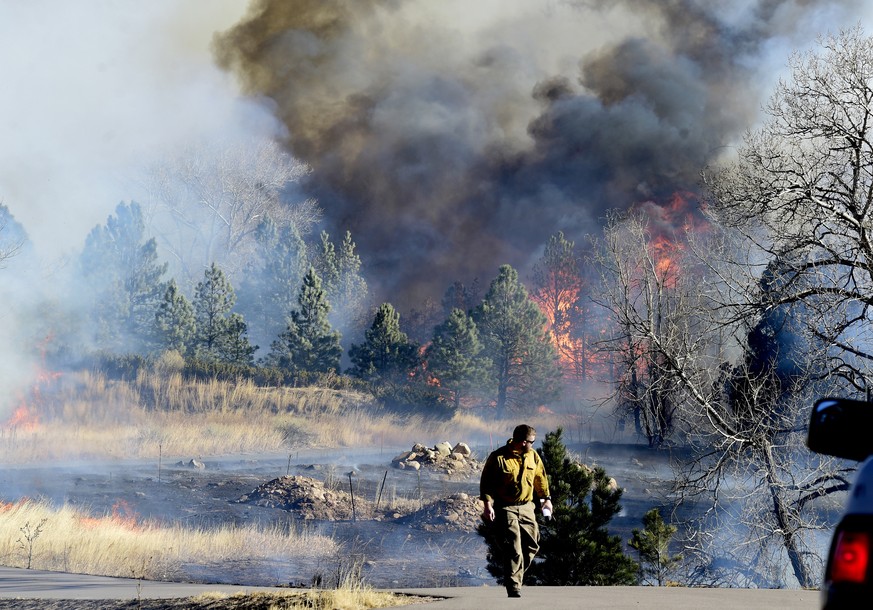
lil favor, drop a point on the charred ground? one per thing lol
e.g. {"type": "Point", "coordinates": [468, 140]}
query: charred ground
{"type": "Point", "coordinates": [410, 528]}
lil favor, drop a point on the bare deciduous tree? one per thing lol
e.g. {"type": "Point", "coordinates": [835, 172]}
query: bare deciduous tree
{"type": "Point", "coordinates": [801, 191]}
{"type": "Point", "coordinates": [653, 313]}
{"type": "Point", "coordinates": [738, 393]}
{"type": "Point", "coordinates": [205, 205]}
{"type": "Point", "coordinates": [12, 237]}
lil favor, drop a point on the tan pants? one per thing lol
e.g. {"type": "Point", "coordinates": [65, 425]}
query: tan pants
{"type": "Point", "coordinates": [519, 541]}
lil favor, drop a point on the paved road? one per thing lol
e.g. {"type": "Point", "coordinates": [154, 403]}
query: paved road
{"type": "Point", "coordinates": [619, 598]}
{"type": "Point", "coordinates": [18, 583]}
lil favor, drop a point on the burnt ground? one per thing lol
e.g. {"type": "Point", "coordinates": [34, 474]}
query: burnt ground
{"type": "Point", "coordinates": [430, 543]}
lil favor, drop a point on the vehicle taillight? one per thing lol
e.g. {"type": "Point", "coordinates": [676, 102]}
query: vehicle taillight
{"type": "Point", "coordinates": [851, 555]}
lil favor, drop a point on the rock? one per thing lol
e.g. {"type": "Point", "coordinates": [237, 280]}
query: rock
{"type": "Point", "coordinates": [192, 463]}
{"type": "Point", "coordinates": [443, 448]}
{"type": "Point", "coordinates": [455, 461]}
{"type": "Point", "coordinates": [462, 448]}
{"type": "Point", "coordinates": [406, 455]}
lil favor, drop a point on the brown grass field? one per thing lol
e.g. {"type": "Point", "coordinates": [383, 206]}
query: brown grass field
{"type": "Point", "coordinates": [160, 417]}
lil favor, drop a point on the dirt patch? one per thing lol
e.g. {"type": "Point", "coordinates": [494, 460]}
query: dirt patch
{"type": "Point", "coordinates": [309, 498]}
{"type": "Point", "coordinates": [457, 513]}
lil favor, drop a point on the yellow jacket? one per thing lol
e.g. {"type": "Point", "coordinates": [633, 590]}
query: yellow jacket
{"type": "Point", "coordinates": [510, 477]}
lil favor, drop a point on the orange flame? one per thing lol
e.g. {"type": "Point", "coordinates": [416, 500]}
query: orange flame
{"type": "Point", "coordinates": [22, 419]}
{"type": "Point", "coordinates": [26, 415]}
{"type": "Point", "coordinates": [122, 515]}
{"type": "Point", "coordinates": [665, 254]}
{"type": "Point", "coordinates": [571, 326]}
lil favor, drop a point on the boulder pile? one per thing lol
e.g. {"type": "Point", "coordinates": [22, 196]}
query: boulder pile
{"type": "Point", "coordinates": [443, 457]}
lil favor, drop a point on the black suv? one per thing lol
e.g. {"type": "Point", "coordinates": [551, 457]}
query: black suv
{"type": "Point", "coordinates": [844, 428]}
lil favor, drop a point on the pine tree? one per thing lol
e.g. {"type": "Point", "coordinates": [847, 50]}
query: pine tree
{"type": "Point", "coordinates": [386, 354]}
{"type": "Point", "coordinates": [235, 346]}
{"type": "Point", "coordinates": [220, 335]}
{"type": "Point", "coordinates": [269, 287]}
{"type": "Point", "coordinates": [174, 321]}
{"type": "Point", "coordinates": [454, 357]}
{"type": "Point", "coordinates": [653, 546]}
{"type": "Point", "coordinates": [308, 344]}
{"type": "Point", "coordinates": [512, 329]}
{"type": "Point", "coordinates": [123, 275]}
{"type": "Point", "coordinates": [346, 289]}
{"type": "Point", "coordinates": [576, 547]}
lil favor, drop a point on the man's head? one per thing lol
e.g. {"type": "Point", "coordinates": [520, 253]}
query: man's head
{"type": "Point", "coordinates": [523, 437]}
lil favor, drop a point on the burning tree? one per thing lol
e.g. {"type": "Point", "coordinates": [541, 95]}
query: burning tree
{"type": "Point", "coordinates": [640, 287]}
{"type": "Point", "coordinates": [558, 290]}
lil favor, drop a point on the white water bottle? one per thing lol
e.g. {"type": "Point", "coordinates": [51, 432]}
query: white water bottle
{"type": "Point", "coordinates": [547, 513]}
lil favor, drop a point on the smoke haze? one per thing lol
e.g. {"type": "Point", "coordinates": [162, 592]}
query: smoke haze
{"type": "Point", "coordinates": [92, 91]}
{"type": "Point", "coordinates": [452, 138]}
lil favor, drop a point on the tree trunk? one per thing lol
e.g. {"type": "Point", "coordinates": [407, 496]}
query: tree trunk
{"type": "Point", "coordinates": [785, 526]}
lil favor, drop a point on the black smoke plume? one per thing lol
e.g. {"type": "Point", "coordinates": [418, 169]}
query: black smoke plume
{"type": "Point", "coordinates": [452, 142]}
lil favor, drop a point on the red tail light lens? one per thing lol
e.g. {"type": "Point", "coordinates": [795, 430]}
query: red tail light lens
{"type": "Point", "coordinates": [851, 556]}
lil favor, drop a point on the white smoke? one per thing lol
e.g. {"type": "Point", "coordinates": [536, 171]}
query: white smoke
{"type": "Point", "coordinates": [94, 90]}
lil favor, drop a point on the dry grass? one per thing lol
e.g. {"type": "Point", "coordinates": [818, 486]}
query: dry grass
{"type": "Point", "coordinates": [86, 416]}
{"type": "Point", "coordinates": [35, 535]}
{"type": "Point", "coordinates": [348, 597]}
